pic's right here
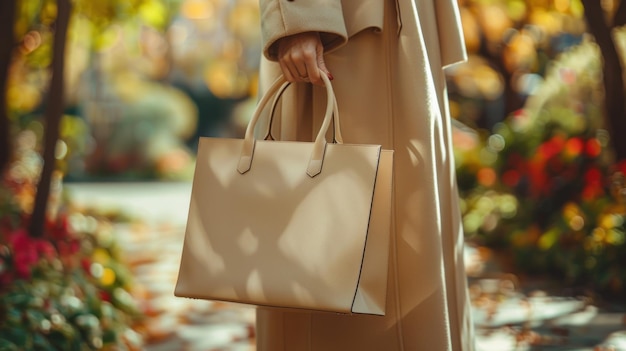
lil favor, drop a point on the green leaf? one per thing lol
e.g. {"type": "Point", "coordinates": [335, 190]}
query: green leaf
{"type": "Point", "coordinates": [64, 338]}
{"type": "Point", "coordinates": [16, 336]}
{"type": "Point", "coordinates": [18, 300]}
{"type": "Point", "coordinates": [6, 345]}
{"type": "Point", "coordinates": [42, 344]}
{"type": "Point", "coordinates": [109, 336]}
{"type": "Point", "coordinates": [34, 316]}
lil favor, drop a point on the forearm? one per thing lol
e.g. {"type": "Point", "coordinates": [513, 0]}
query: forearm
{"type": "Point", "coordinates": [283, 18]}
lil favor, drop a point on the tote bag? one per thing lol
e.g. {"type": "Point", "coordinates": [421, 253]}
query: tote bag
{"type": "Point", "coordinates": [289, 224]}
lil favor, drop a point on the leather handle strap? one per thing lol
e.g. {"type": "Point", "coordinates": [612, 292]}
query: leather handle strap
{"type": "Point", "coordinates": [281, 90]}
{"type": "Point", "coordinates": [337, 136]}
{"type": "Point", "coordinates": [319, 146]}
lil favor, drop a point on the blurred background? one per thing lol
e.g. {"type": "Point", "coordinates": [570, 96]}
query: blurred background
{"type": "Point", "coordinates": [113, 95]}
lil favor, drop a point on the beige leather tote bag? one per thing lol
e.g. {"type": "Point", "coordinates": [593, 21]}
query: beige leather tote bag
{"type": "Point", "coordinates": [300, 225]}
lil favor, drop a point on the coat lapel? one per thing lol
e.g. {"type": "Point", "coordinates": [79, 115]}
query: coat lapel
{"type": "Point", "coordinates": [362, 14]}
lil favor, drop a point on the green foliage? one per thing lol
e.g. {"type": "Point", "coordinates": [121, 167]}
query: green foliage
{"type": "Point", "coordinates": [46, 314]}
{"type": "Point", "coordinates": [34, 13]}
{"type": "Point", "coordinates": [156, 13]}
{"type": "Point", "coordinates": [63, 300]}
{"type": "Point", "coordinates": [100, 16]}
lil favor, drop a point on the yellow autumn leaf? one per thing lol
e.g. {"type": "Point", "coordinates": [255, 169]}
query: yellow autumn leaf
{"type": "Point", "coordinates": [154, 13]}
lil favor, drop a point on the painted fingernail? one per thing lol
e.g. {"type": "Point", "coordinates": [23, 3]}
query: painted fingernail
{"type": "Point", "coordinates": [330, 76]}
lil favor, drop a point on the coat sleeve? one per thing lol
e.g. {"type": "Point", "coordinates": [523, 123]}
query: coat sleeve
{"type": "Point", "coordinates": [451, 38]}
{"type": "Point", "coordinates": [281, 18]}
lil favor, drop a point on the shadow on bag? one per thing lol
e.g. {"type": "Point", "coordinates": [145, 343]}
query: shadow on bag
{"type": "Point", "coordinates": [301, 225]}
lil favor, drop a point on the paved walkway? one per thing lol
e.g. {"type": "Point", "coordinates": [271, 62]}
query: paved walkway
{"type": "Point", "coordinates": [508, 317]}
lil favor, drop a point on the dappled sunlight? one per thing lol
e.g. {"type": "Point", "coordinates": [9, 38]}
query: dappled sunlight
{"type": "Point", "coordinates": [537, 124]}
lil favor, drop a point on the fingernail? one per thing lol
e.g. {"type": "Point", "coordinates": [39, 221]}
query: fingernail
{"type": "Point", "coordinates": [330, 76]}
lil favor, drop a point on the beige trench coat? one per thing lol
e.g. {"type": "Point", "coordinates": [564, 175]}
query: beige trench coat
{"type": "Point", "coordinates": [387, 58]}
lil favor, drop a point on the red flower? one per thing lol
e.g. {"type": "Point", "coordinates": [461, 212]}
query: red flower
{"type": "Point", "coordinates": [86, 264]}
{"type": "Point", "coordinates": [23, 262]}
{"type": "Point", "coordinates": [19, 240]}
{"type": "Point", "coordinates": [59, 229]}
{"type": "Point", "coordinates": [593, 176]}
{"type": "Point", "coordinates": [539, 182]}
{"type": "Point", "coordinates": [574, 147]}
{"type": "Point", "coordinates": [593, 148]}
{"type": "Point", "coordinates": [104, 296]}
{"type": "Point", "coordinates": [551, 147]}
{"type": "Point", "coordinates": [64, 248]}
{"type": "Point", "coordinates": [27, 252]}
{"type": "Point", "coordinates": [593, 184]}
{"type": "Point", "coordinates": [24, 252]}
{"type": "Point", "coordinates": [46, 249]}
{"type": "Point", "coordinates": [74, 246]}
{"type": "Point", "coordinates": [511, 178]}
{"type": "Point", "coordinates": [68, 247]}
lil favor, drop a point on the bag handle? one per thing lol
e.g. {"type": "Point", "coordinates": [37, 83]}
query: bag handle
{"type": "Point", "coordinates": [319, 145]}
{"type": "Point", "coordinates": [337, 136]}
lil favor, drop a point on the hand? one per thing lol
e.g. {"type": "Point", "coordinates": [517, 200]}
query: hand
{"type": "Point", "coordinates": [301, 58]}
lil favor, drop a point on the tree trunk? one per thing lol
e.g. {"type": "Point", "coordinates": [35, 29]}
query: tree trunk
{"type": "Point", "coordinates": [7, 42]}
{"type": "Point", "coordinates": [620, 15]}
{"type": "Point", "coordinates": [53, 115]}
{"type": "Point", "coordinates": [615, 107]}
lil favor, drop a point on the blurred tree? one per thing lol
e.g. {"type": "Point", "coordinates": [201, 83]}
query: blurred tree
{"type": "Point", "coordinates": [601, 27]}
{"type": "Point", "coordinates": [17, 18]}
{"type": "Point", "coordinates": [53, 115]}
{"type": "Point", "coordinates": [7, 41]}
{"type": "Point", "coordinates": [511, 43]}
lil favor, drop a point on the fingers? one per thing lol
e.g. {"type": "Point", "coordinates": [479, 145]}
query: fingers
{"type": "Point", "coordinates": [298, 62]}
{"type": "Point", "coordinates": [289, 71]}
{"type": "Point", "coordinates": [313, 71]}
{"type": "Point", "coordinates": [301, 58]}
{"type": "Point", "coordinates": [322, 64]}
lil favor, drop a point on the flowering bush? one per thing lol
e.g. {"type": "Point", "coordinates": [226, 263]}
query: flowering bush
{"type": "Point", "coordinates": [64, 291]}
{"type": "Point", "coordinates": [544, 185]}
{"type": "Point", "coordinates": [67, 290]}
